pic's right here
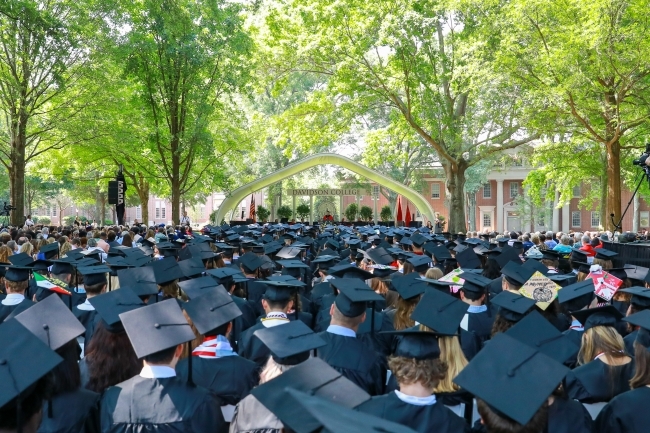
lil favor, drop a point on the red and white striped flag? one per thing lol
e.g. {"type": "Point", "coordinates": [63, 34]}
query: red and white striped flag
{"type": "Point", "coordinates": [251, 210]}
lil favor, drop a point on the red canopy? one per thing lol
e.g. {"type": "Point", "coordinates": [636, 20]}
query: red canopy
{"type": "Point", "coordinates": [407, 218]}
{"type": "Point", "coordinates": [399, 209]}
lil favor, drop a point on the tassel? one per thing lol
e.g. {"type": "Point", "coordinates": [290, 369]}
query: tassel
{"type": "Point", "coordinates": [190, 380]}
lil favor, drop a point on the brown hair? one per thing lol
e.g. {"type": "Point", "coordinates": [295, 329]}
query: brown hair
{"type": "Point", "coordinates": [379, 286]}
{"type": "Point", "coordinates": [5, 253]}
{"type": "Point", "coordinates": [501, 324]}
{"type": "Point", "coordinates": [408, 268]}
{"type": "Point", "coordinates": [605, 264]}
{"type": "Point", "coordinates": [198, 339]}
{"type": "Point", "coordinates": [642, 367]}
{"type": "Point", "coordinates": [127, 241]}
{"type": "Point", "coordinates": [110, 359]}
{"type": "Point", "coordinates": [407, 371]}
{"type": "Point", "coordinates": [601, 339]}
{"type": "Point", "coordinates": [16, 286]}
{"type": "Point", "coordinates": [172, 290]}
{"type": "Point", "coordinates": [495, 423]}
{"type": "Point", "coordinates": [403, 311]}
{"type": "Point", "coordinates": [433, 273]}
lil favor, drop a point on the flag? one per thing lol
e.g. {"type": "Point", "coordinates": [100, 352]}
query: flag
{"type": "Point", "coordinates": [399, 209]}
{"type": "Point", "coordinates": [251, 210]}
{"type": "Point", "coordinates": [48, 284]}
{"type": "Point", "coordinates": [407, 218]}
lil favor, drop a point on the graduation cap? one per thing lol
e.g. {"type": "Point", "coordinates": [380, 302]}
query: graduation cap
{"type": "Point", "coordinates": [156, 327]}
{"type": "Point", "coordinates": [380, 256]}
{"type": "Point", "coordinates": [288, 252]}
{"type": "Point", "coordinates": [94, 274]}
{"type": "Point", "coordinates": [50, 250]}
{"type": "Point", "coordinates": [24, 359]}
{"type": "Point", "coordinates": [21, 259]}
{"type": "Point", "coordinates": [420, 263]}
{"type": "Point", "coordinates": [353, 295]}
{"type": "Point", "coordinates": [475, 282]}
{"type": "Point", "coordinates": [513, 306]}
{"type": "Point", "coordinates": [325, 262]}
{"type": "Point", "coordinates": [418, 240]}
{"type": "Point", "coordinates": [579, 256]}
{"type": "Point", "coordinates": [225, 274]}
{"type": "Point", "coordinates": [537, 332]}
{"type": "Point", "coordinates": [640, 296]}
{"type": "Point", "coordinates": [141, 278]}
{"type": "Point", "coordinates": [111, 304]}
{"type": "Point", "coordinates": [292, 264]}
{"type": "Point", "coordinates": [636, 272]}
{"type": "Point", "coordinates": [213, 308]}
{"type": "Point", "coordinates": [440, 312]}
{"type": "Point", "coordinates": [191, 267]}
{"type": "Point", "coordinates": [166, 270]}
{"type": "Point", "coordinates": [291, 343]}
{"type": "Point", "coordinates": [641, 319]}
{"type": "Point", "coordinates": [550, 255]}
{"type": "Point", "coordinates": [468, 259]}
{"type": "Point", "coordinates": [251, 261]}
{"type": "Point", "coordinates": [507, 254]}
{"type": "Point", "coordinates": [195, 287]}
{"type": "Point", "coordinates": [350, 271]}
{"type": "Point", "coordinates": [313, 376]}
{"type": "Point", "coordinates": [604, 254]}
{"type": "Point", "coordinates": [415, 344]}
{"type": "Point", "coordinates": [563, 279]}
{"type": "Point", "coordinates": [40, 265]}
{"type": "Point", "coordinates": [277, 291]}
{"type": "Point", "coordinates": [515, 274]}
{"type": "Point", "coordinates": [52, 322]}
{"type": "Point", "coordinates": [576, 296]}
{"type": "Point", "coordinates": [16, 273]}
{"type": "Point", "coordinates": [535, 266]}
{"type": "Point", "coordinates": [601, 316]}
{"type": "Point", "coordinates": [409, 287]}
{"type": "Point", "coordinates": [508, 371]}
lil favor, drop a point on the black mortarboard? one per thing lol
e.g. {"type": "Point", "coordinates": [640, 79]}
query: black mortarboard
{"type": "Point", "coordinates": [251, 261]}
{"type": "Point", "coordinates": [277, 291]}
{"type": "Point", "coordinates": [418, 240]}
{"type": "Point", "coordinates": [350, 271]}
{"type": "Point", "coordinates": [474, 282]}
{"type": "Point", "coordinates": [420, 263]}
{"type": "Point", "coordinates": [535, 266]}
{"type": "Point", "coordinates": [94, 274]}
{"type": "Point", "coordinates": [409, 287]}
{"type": "Point", "coordinates": [562, 279]}
{"type": "Point", "coordinates": [353, 295]}
{"type": "Point", "coordinates": [601, 316]}
{"type": "Point", "coordinates": [195, 287]}
{"type": "Point", "coordinates": [24, 359]}
{"type": "Point", "coordinates": [291, 343]}
{"type": "Point", "coordinates": [514, 274]}
{"type": "Point", "coordinates": [642, 319]}
{"type": "Point", "coordinates": [380, 256]}
{"type": "Point", "coordinates": [537, 332]}
{"type": "Point", "coordinates": [213, 308]}
{"type": "Point", "coordinates": [110, 305]}
{"type": "Point", "coordinates": [20, 259]}
{"type": "Point", "coordinates": [640, 296]}
{"type": "Point", "coordinates": [576, 296]}
{"type": "Point", "coordinates": [225, 274]}
{"type": "Point", "coordinates": [508, 371]}
{"type": "Point", "coordinates": [166, 270]}
{"type": "Point", "coordinates": [634, 272]}
{"type": "Point", "coordinates": [50, 250]}
{"type": "Point", "coordinates": [579, 256]}
{"type": "Point", "coordinates": [52, 322]}
{"type": "Point", "coordinates": [507, 254]}
{"type": "Point", "coordinates": [604, 254]}
{"type": "Point", "coordinates": [16, 273]}
{"type": "Point", "coordinates": [143, 278]}
{"type": "Point", "coordinates": [618, 273]}
{"type": "Point", "coordinates": [468, 259]}
{"type": "Point", "coordinates": [550, 255]}
{"type": "Point", "coordinates": [40, 265]}
{"type": "Point", "coordinates": [325, 262]}
{"type": "Point", "coordinates": [415, 344]}
{"type": "Point", "coordinates": [439, 253]}
{"type": "Point", "coordinates": [192, 267]}
{"type": "Point", "coordinates": [518, 245]}
{"type": "Point", "coordinates": [292, 264]}
{"type": "Point", "coordinates": [440, 312]}
{"type": "Point", "coordinates": [62, 267]}
{"type": "Point", "coordinates": [156, 327]}
{"type": "Point", "coordinates": [513, 306]}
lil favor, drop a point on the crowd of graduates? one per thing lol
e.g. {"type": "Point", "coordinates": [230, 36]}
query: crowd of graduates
{"type": "Point", "coordinates": [294, 328]}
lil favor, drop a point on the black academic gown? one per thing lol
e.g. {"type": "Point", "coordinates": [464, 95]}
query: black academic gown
{"type": "Point", "coordinates": [629, 342]}
{"type": "Point", "coordinates": [355, 360]}
{"type": "Point", "coordinates": [243, 322]}
{"type": "Point", "coordinates": [593, 383]}
{"type": "Point", "coordinates": [252, 348]}
{"type": "Point", "coordinates": [576, 337]}
{"type": "Point", "coordinates": [626, 413]}
{"type": "Point", "coordinates": [166, 405]}
{"type": "Point", "coordinates": [231, 378]}
{"type": "Point", "coordinates": [255, 289]}
{"type": "Point", "coordinates": [380, 343]}
{"type": "Point", "coordinates": [317, 293]}
{"type": "Point", "coordinates": [72, 412]}
{"type": "Point", "coordinates": [481, 324]}
{"type": "Point", "coordinates": [88, 319]}
{"type": "Point", "coordinates": [13, 310]}
{"type": "Point", "coordinates": [305, 318]}
{"type": "Point", "coordinates": [470, 344]}
{"type": "Point", "coordinates": [423, 419]}
{"type": "Point", "coordinates": [568, 416]}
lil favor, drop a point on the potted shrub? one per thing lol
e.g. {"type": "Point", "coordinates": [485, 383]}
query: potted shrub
{"type": "Point", "coordinates": [284, 212]}
{"type": "Point", "coordinates": [385, 214]}
{"type": "Point", "coordinates": [351, 212]}
{"type": "Point", "coordinates": [263, 213]}
{"type": "Point", "coordinates": [303, 211]}
{"type": "Point", "coordinates": [365, 213]}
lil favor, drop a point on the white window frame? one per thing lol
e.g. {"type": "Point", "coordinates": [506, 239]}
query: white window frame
{"type": "Point", "coordinates": [516, 185]}
{"type": "Point", "coordinates": [573, 218]}
{"type": "Point", "coordinates": [644, 215]}
{"type": "Point", "coordinates": [597, 215]}
{"type": "Point", "coordinates": [579, 191]}
{"type": "Point", "coordinates": [375, 190]}
{"type": "Point", "coordinates": [138, 212]}
{"type": "Point", "coordinates": [489, 216]}
{"type": "Point", "coordinates": [435, 195]}
{"type": "Point", "coordinates": [487, 187]}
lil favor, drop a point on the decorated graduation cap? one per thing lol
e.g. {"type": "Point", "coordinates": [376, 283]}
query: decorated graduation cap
{"type": "Point", "coordinates": [212, 309]}
{"type": "Point", "coordinates": [156, 327]}
{"type": "Point", "coordinates": [110, 305]}
{"type": "Point", "coordinates": [537, 332]}
{"type": "Point", "coordinates": [52, 322]}
{"type": "Point", "coordinates": [601, 316]}
{"type": "Point", "coordinates": [166, 270]}
{"type": "Point", "coordinates": [468, 259]}
{"type": "Point", "coordinates": [577, 296]}
{"type": "Point", "coordinates": [196, 286]}
{"type": "Point", "coordinates": [640, 296]}
{"type": "Point", "coordinates": [513, 306]}
{"type": "Point", "coordinates": [508, 371]}
{"type": "Point", "coordinates": [353, 296]}
{"type": "Point", "coordinates": [440, 312]}
{"type": "Point", "coordinates": [603, 254]}
{"type": "Point", "coordinates": [24, 359]}
{"type": "Point", "coordinates": [313, 376]}
{"type": "Point", "coordinates": [50, 250]}
{"type": "Point", "coordinates": [415, 344]}
{"type": "Point", "coordinates": [291, 343]}
{"type": "Point", "coordinates": [94, 275]}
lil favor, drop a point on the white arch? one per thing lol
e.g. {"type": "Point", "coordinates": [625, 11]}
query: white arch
{"type": "Point", "coordinates": [240, 193]}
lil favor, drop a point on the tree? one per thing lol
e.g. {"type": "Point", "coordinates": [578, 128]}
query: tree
{"type": "Point", "coordinates": [583, 68]}
{"type": "Point", "coordinates": [284, 212]}
{"type": "Point", "coordinates": [185, 56]}
{"type": "Point", "coordinates": [351, 212]}
{"type": "Point", "coordinates": [43, 58]}
{"type": "Point", "coordinates": [386, 214]}
{"type": "Point", "coordinates": [263, 213]}
{"type": "Point", "coordinates": [365, 213]}
{"type": "Point", "coordinates": [409, 56]}
{"type": "Point", "coordinates": [303, 211]}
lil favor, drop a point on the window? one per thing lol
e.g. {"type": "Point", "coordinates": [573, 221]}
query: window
{"type": "Point", "coordinates": [202, 211]}
{"type": "Point", "coordinates": [517, 162]}
{"type": "Point", "coordinates": [435, 190]}
{"type": "Point", "coordinates": [514, 189]}
{"type": "Point", "coordinates": [487, 190]}
{"type": "Point", "coordinates": [51, 210]}
{"type": "Point", "coordinates": [575, 219]}
{"type": "Point", "coordinates": [644, 219]}
{"type": "Point", "coordinates": [487, 219]}
{"type": "Point", "coordinates": [243, 212]}
{"type": "Point", "coordinates": [576, 191]}
{"type": "Point", "coordinates": [161, 210]}
{"type": "Point", "coordinates": [138, 212]}
{"type": "Point", "coordinates": [595, 219]}
{"type": "Point", "coordinates": [375, 190]}
{"type": "Point", "coordinates": [417, 214]}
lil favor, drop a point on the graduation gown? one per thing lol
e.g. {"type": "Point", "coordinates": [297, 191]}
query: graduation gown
{"type": "Point", "coordinates": [72, 412]}
{"type": "Point", "coordinates": [13, 310]}
{"type": "Point", "coordinates": [159, 405]}
{"type": "Point", "coordinates": [481, 324]}
{"type": "Point", "coordinates": [88, 319]}
{"type": "Point", "coordinates": [593, 382]}
{"type": "Point", "coordinates": [251, 416]}
{"type": "Point", "coordinates": [380, 343]}
{"type": "Point", "coordinates": [470, 344]}
{"type": "Point", "coordinates": [231, 378]}
{"type": "Point", "coordinates": [355, 360]}
{"type": "Point", "coordinates": [576, 337]}
{"type": "Point", "coordinates": [251, 347]}
{"type": "Point", "coordinates": [568, 416]}
{"type": "Point", "coordinates": [626, 413]}
{"type": "Point", "coordinates": [423, 419]}
{"type": "Point", "coordinates": [629, 342]}
{"type": "Point", "coordinates": [243, 322]}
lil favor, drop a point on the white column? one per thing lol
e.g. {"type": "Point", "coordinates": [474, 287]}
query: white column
{"type": "Point", "coordinates": [566, 218]}
{"type": "Point", "coordinates": [374, 215]}
{"type": "Point", "coordinates": [556, 213]}
{"type": "Point", "coordinates": [499, 209]}
{"type": "Point", "coordinates": [294, 207]}
{"type": "Point", "coordinates": [635, 215]}
{"type": "Point", "coordinates": [340, 207]}
{"type": "Point", "coordinates": [311, 209]}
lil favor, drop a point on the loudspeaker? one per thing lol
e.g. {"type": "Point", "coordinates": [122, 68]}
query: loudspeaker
{"type": "Point", "coordinates": [112, 192]}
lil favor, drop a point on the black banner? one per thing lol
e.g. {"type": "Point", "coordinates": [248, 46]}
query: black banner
{"type": "Point", "coordinates": [120, 208]}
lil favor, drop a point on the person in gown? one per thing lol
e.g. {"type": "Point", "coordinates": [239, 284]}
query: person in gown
{"type": "Point", "coordinates": [16, 282]}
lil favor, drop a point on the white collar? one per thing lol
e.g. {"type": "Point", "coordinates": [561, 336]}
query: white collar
{"type": "Point", "coordinates": [417, 401]}
{"type": "Point", "coordinates": [341, 330]}
{"type": "Point", "coordinates": [86, 306]}
{"type": "Point", "coordinates": [274, 318]}
{"type": "Point", "coordinates": [13, 299]}
{"type": "Point", "coordinates": [327, 278]}
{"type": "Point", "coordinates": [157, 372]}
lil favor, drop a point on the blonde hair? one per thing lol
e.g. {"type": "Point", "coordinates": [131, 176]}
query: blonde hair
{"type": "Point", "coordinates": [65, 248]}
{"type": "Point", "coordinates": [601, 339]}
{"type": "Point", "coordinates": [433, 273]}
{"type": "Point", "coordinates": [605, 264]}
{"type": "Point", "coordinates": [451, 354]}
{"type": "Point", "coordinates": [27, 248]}
{"type": "Point", "coordinates": [172, 290]}
{"type": "Point", "coordinates": [272, 370]}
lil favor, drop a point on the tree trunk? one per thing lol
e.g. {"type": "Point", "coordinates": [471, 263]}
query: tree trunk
{"type": "Point", "coordinates": [17, 170]}
{"type": "Point", "coordinates": [471, 210]}
{"type": "Point", "coordinates": [613, 201]}
{"type": "Point", "coordinates": [455, 183]}
{"type": "Point", "coordinates": [143, 194]}
{"type": "Point", "coordinates": [176, 184]}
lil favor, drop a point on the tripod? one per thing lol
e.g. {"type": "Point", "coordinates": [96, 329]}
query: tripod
{"type": "Point", "coordinates": [644, 175]}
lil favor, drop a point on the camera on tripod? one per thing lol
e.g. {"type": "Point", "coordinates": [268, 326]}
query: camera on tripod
{"type": "Point", "coordinates": [6, 209]}
{"type": "Point", "coordinates": [644, 156]}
